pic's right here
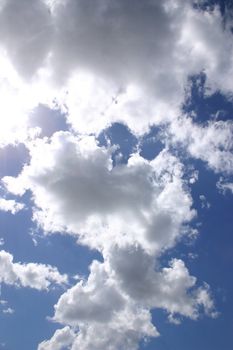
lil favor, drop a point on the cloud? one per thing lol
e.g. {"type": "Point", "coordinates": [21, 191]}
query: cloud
{"type": "Point", "coordinates": [99, 307]}
{"type": "Point", "coordinates": [115, 300]}
{"type": "Point", "coordinates": [33, 275]}
{"type": "Point", "coordinates": [99, 63]}
{"type": "Point", "coordinates": [18, 100]}
{"type": "Point", "coordinates": [113, 62]}
{"type": "Point", "coordinates": [211, 143]}
{"type": "Point", "coordinates": [25, 33]}
{"type": "Point", "coordinates": [61, 338]}
{"type": "Point", "coordinates": [141, 64]}
{"type": "Point", "coordinates": [76, 189]}
{"type": "Point", "coordinates": [10, 205]}
{"type": "Point", "coordinates": [98, 300]}
{"type": "Point", "coordinates": [127, 213]}
{"type": "Point", "coordinates": [224, 186]}
{"type": "Point", "coordinates": [204, 203]}
{"type": "Point", "coordinates": [8, 311]}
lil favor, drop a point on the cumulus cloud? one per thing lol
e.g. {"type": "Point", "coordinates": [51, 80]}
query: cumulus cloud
{"type": "Point", "coordinates": [33, 275]}
{"type": "Point", "coordinates": [131, 213]}
{"type": "Point", "coordinates": [10, 205]}
{"type": "Point", "coordinates": [76, 189]}
{"type": "Point", "coordinates": [61, 338]}
{"type": "Point", "coordinates": [99, 63]}
{"type": "Point", "coordinates": [128, 52]}
{"type": "Point", "coordinates": [98, 307]}
{"type": "Point", "coordinates": [18, 100]}
{"type": "Point", "coordinates": [114, 303]}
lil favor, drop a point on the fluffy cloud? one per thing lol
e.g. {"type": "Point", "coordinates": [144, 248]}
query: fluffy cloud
{"type": "Point", "coordinates": [113, 304]}
{"type": "Point", "coordinates": [100, 53]}
{"type": "Point", "coordinates": [10, 205]}
{"type": "Point", "coordinates": [213, 143]}
{"type": "Point", "coordinates": [99, 307]}
{"type": "Point", "coordinates": [18, 100]}
{"type": "Point", "coordinates": [127, 212]}
{"type": "Point", "coordinates": [137, 74]}
{"type": "Point", "coordinates": [102, 62]}
{"type": "Point", "coordinates": [76, 189]}
{"type": "Point", "coordinates": [25, 33]}
{"type": "Point", "coordinates": [31, 275]}
{"type": "Point", "coordinates": [61, 338]}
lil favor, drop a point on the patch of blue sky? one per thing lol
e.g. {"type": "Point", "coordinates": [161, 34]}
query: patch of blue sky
{"type": "Point", "coordinates": [148, 146]}
{"type": "Point", "coordinates": [151, 144]}
{"type": "Point", "coordinates": [48, 120]}
{"type": "Point", "coordinates": [204, 106]}
{"type": "Point", "coordinates": [120, 136]}
{"type": "Point", "coordinates": [22, 330]}
{"type": "Point", "coordinates": [12, 159]}
{"type": "Point", "coordinates": [224, 5]}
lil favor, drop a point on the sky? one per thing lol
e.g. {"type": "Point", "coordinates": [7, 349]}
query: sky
{"type": "Point", "coordinates": [116, 174]}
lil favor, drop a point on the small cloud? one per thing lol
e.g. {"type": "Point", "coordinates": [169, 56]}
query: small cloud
{"type": "Point", "coordinates": [8, 311]}
{"type": "Point", "coordinates": [10, 205]}
{"type": "Point", "coordinates": [192, 256]}
{"type": "Point", "coordinates": [224, 186]}
{"type": "Point", "coordinates": [174, 320]}
{"type": "Point", "coordinates": [33, 275]}
{"type": "Point", "coordinates": [194, 177]}
{"type": "Point", "coordinates": [204, 203]}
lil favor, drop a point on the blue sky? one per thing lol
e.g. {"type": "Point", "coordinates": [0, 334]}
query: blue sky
{"type": "Point", "coordinates": [116, 170]}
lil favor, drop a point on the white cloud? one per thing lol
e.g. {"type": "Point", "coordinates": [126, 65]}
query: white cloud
{"type": "Point", "coordinates": [98, 307]}
{"type": "Point", "coordinates": [141, 63]}
{"type": "Point", "coordinates": [18, 99]}
{"type": "Point", "coordinates": [132, 52]}
{"type": "Point", "coordinates": [8, 311]}
{"type": "Point", "coordinates": [213, 143]}
{"type": "Point", "coordinates": [31, 275]}
{"type": "Point", "coordinates": [113, 304]}
{"type": "Point", "coordinates": [76, 189]}
{"type": "Point", "coordinates": [126, 212]}
{"type": "Point", "coordinates": [100, 63]}
{"type": "Point", "coordinates": [10, 205]}
{"type": "Point", "coordinates": [204, 202]}
{"type": "Point", "coordinates": [25, 32]}
{"type": "Point", "coordinates": [61, 338]}
{"type": "Point", "coordinates": [142, 279]}
{"type": "Point", "coordinates": [224, 186]}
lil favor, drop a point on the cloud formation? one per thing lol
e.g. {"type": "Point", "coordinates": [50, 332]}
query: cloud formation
{"type": "Point", "coordinates": [87, 56]}
{"type": "Point", "coordinates": [99, 63]}
{"type": "Point", "coordinates": [126, 212]}
{"type": "Point", "coordinates": [10, 205]}
{"type": "Point", "coordinates": [76, 189]}
{"type": "Point", "coordinates": [32, 275]}
{"type": "Point", "coordinates": [61, 338]}
{"type": "Point", "coordinates": [212, 143]}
